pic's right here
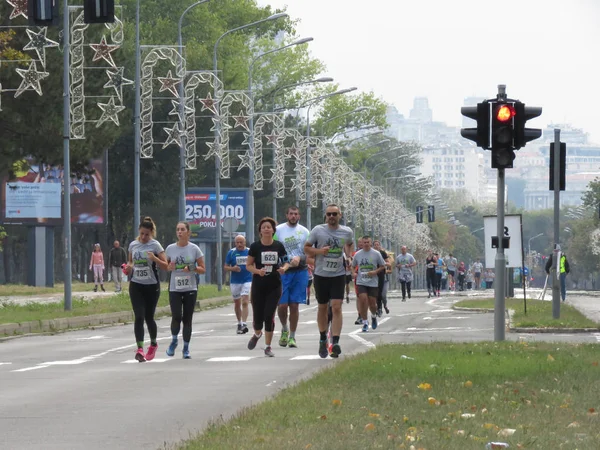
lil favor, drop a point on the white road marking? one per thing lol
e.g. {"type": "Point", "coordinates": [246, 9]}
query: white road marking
{"type": "Point", "coordinates": [271, 383]}
{"type": "Point", "coordinates": [305, 357]}
{"type": "Point", "coordinates": [354, 335]}
{"type": "Point", "coordinates": [442, 310]}
{"type": "Point", "coordinates": [91, 338]}
{"type": "Point", "coordinates": [410, 314]}
{"type": "Point", "coordinates": [27, 369]}
{"type": "Point", "coordinates": [231, 358]}
{"type": "Point", "coordinates": [309, 322]}
{"type": "Point", "coordinates": [5, 363]}
{"type": "Point", "coordinates": [435, 329]}
{"type": "Point", "coordinates": [309, 308]}
{"type": "Point", "coordinates": [135, 361]}
{"type": "Point", "coordinates": [445, 318]}
{"type": "Point", "coordinates": [382, 321]}
{"type": "Point", "coordinates": [439, 330]}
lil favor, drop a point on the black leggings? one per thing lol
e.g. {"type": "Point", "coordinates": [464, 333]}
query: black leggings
{"type": "Point", "coordinates": [405, 288]}
{"type": "Point", "coordinates": [438, 281]}
{"type": "Point", "coordinates": [430, 276]}
{"type": "Point", "coordinates": [185, 301]}
{"type": "Point", "coordinates": [264, 304]}
{"type": "Point", "coordinates": [144, 298]}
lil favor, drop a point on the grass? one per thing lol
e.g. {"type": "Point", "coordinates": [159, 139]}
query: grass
{"type": "Point", "coordinates": [16, 313]}
{"type": "Point", "coordinates": [539, 313]}
{"type": "Point", "coordinates": [7, 290]}
{"type": "Point", "coordinates": [449, 397]}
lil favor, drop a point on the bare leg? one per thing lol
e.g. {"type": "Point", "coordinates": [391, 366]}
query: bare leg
{"type": "Point", "coordinates": [294, 316]}
{"type": "Point", "coordinates": [237, 307]}
{"type": "Point", "coordinates": [245, 301]}
{"type": "Point", "coordinates": [268, 337]}
{"type": "Point", "coordinates": [363, 300]}
{"type": "Point", "coordinates": [282, 312]}
{"type": "Point", "coordinates": [322, 318]}
{"type": "Point", "coordinates": [336, 323]}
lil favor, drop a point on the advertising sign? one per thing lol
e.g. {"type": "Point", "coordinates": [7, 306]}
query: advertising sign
{"type": "Point", "coordinates": [512, 229]}
{"type": "Point", "coordinates": [200, 212]}
{"type": "Point", "coordinates": [32, 200]}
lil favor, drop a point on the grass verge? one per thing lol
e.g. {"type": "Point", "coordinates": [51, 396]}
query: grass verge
{"type": "Point", "coordinates": [450, 397]}
{"type": "Point", "coordinates": [14, 313]}
{"type": "Point", "coordinates": [8, 290]}
{"type": "Point", "coordinates": [539, 313]}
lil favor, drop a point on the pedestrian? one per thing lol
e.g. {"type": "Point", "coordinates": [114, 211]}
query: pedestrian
{"type": "Point", "coordinates": [185, 260]}
{"type": "Point", "coordinates": [144, 286]}
{"type": "Point", "coordinates": [97, 265]}
{"type": "Point", "coordinates": [404, 263]}
{"type": "Point", "coordinates": [240, 281]}
{"type": "Point", "coordinates": [477, 270]}
{"type": "Point", "coordinates": [451, 264]}
{"type": "Point", "coordinates": [329, 243]}
{"type": "Point", "coordinates": [430, 264]}
{"type": "Point", "coordinates": [267, 261]}
{"type": "Point", "coordinates": [563, 268]}
{"type": "Point", "coordinates": [489, 278]}
{"type": "Point", "coordinates": [462, 272]}
{"type": "Point", "coordinates": [367, 264]}
{"type": "Point", "coordinates": [116, 258]}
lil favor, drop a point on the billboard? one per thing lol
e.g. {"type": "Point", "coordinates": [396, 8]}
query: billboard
{"type": "Point", "coordinates": [512, 229]}
{"type": "Point", "coordinates": [32, 193]}
{"type": "Point", "coordinates": [200, 212]}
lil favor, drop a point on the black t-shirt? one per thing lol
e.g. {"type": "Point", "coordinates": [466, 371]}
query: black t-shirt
{"type": "Point", "coordinates": [384, 255]}
{"type": "Point", "coordinates": [269, 257]}
{"type": "Point", "coordinates": [430, 263]}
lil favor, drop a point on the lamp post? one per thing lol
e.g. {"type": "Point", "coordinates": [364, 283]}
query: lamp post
{"type": "Point", "coordinates": [347, 113]}
{"type": "Point", "coordinates": [217, 130]}
{"type": "Point", "coordinates": [293, 85]}
{"type": "Point", "coordinates": [529, 244]}
{"type": "Point", "coordinates": [67, 158]}
{"type": "Point", "coordinates": [250, 230]}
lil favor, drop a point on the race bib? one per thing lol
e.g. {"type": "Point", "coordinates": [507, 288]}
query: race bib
{"type": "Point", "coordinates": [269, 258]}
{"type": "Point", "coordinates": [268, 269]}
{"type": "Point", "coordinates": [142, 273]}
{"type": "Point", "coordinates": [364, 274]}
{"type": "Point", "coordinates": [183, 283]}
{"type": "Point", "coordinates": [332, 263]}
{"type": "Point", "coordinates": [241, 260]}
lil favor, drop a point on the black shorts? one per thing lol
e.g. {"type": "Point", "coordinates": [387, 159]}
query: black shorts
{"type": "Point", "coordinates": [451, 273]}
{"type": "Point", "coordinates": [329, 288]}
{"type": "Point", "coordinates": [348, 279]}
{"type": "Point", "coordinates": [370, 291]}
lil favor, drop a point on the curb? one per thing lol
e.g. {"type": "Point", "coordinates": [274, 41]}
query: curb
{"type": "Point", "coordinates": [36, 327]}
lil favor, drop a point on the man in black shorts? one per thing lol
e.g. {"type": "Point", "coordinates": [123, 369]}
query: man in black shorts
{"type": "Point", "coordinates": [328, 243]}
{"type": "Point", "coordinates": [382, 281]}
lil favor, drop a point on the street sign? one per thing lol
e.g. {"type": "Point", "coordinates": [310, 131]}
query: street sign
{"type": "Point", "coordinates": [512, 230]}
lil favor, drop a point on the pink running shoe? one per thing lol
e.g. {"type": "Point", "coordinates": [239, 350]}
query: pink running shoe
{"type": "Point", "coordinates": [151, 352]}
{"type": "Point", "coordinates": [139, 355]}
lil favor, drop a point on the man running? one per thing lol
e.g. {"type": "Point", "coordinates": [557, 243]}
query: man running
{"type": "Point", "coordinates": [382, 282]}
{"type": "Point", "coordinates": [240, 282]}
{"type": "Point", "coordinates": [451, 263]}
{"type": "Point", "coordinates": [368, 263]}
{"type": "Point", "coordinates": [405, 262]}
{"type": "Point", "coordinates": [294, 282]}
{"type": "Point", "coordinates": [328, 243]}
{"type": "Point", "coordinates": [359, 244]}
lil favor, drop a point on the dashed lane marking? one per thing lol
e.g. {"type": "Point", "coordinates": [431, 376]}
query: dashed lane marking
{"type": "Point", "coordinates": [155, 360]}
{"type": "Point", "coordinates": [231, 358]}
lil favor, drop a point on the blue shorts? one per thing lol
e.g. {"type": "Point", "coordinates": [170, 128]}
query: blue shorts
{"type": "Point", "coordinates": [294, 287]}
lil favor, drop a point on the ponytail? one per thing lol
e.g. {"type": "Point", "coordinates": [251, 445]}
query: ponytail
{"type": "Point", "coordinates": [148, 224]}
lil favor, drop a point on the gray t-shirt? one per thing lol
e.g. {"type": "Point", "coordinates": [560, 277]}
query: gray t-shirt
{"type": "Point", "coordinates": [367, 262]}
{"type": "Point", "coordinates": [332, 264]}
{"type": "Point", "coordinates": [182, 281]}
{"type": "Point", "coordinates": [405, 259]}
{"type": "Point", "coordinates": [144, 270]}
{"type": "Point", "coordinates": [451, 263]}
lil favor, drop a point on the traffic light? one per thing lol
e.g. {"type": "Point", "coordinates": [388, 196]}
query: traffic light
{"type": "Point", "coordinates": [419, 214]}
{"type": "Point", "coordinates": [502, 134]}
{"type": "Point", "coordinates": [523, 114]}
{"type": "Point", "coordinates": [431, 213]}
{"type": "Point", "coordinates": [481, 114]}
{"type": "Point", "coordinates": [99, 11]}
{"type": "Point", "coordinates": [42, 12]}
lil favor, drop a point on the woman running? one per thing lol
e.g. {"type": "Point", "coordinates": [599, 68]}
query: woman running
{"type": "Point", "coordinates": [145, 253]}
{"type": "Point", "coordinates": [267, 261]}
{"type": "Point", "coordinates": [184, 261]}
{"type": "Point", "coordinates": [97, 265]}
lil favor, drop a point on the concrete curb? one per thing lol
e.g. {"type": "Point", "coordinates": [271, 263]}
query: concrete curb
{"type": "Point", "coordinates": [12, 330]}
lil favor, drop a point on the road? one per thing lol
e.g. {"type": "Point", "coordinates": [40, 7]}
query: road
{"type": "Point", "coordinates": [83, 389]}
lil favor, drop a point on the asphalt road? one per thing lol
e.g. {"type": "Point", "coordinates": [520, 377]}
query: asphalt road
{"type": "Point", "coordinates": [84, 390]}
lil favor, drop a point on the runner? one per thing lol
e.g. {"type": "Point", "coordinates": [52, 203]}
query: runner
{"type": "Point", "coordinates": [430, 264]}
{"type": "Point", "coordinates": [240, 281]}
{"type": "Point", "coordinates": [382, 282]}
{"type": "Point", "coordinates": [477, 269]}
{"type": "Point", "coordinates": [439, 271]}
{"type": "Point", "coordinates": [184, 261]}
{"type": "Point", "coordinates": [404, 262]}
{"type": "Point", "coordinates": [348, 263]}
{"type": "Point", "coordinates": [358, 321]}
{"type": "Point", "coordinates": [367, 264]}
{"type": "Point", "coordinates": [144, 287]}
{"type": "Point", "coordinates": [330, 242]}
{"type": "Point", "coordinates": [462, 272]}
{"type": "Point", "coordinates": [451, 263]}
{"type": "Point", "coordinates": [294, 282]}
{"type": "Point", "coordinates": [311, 270]}
{"type": "Point", "coordinates": [267, 262]}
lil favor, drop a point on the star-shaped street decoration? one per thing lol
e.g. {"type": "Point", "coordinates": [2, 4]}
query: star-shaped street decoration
{"type": "Point", "coordinates": [247, 138]}
{"type": "Point", "coordinates": [19, 8]}
{"type": "Point", "coordinates": [245, 161]}
{"type": "Point", "coordinates": [213, 150]}
{"type": "Point", "coordinates": [291, 152]}
{"type": "Point", "coordinates": [174, 137]}
{"type": "Point", "coordinates": [110, 111]}
{"type": "Point", "coordinates": [274, 177]}
{"type": "Point", "coordinates": [209, 103]}
{"type": "Point", "coordinates": [31, 78]}
{"type": "Point", "coordinates": [117, 81]}
{"type": "Point", "coordinates": [177, 110]}
{"type": "Point", "coordinates": [103, 51]}
{"type": "Point", "coordinates": [241, 121]}
{"type": "Point", "coordinates": [39, 42]}
{"type": "Point", "coordinates": [169, 83]}
{"type": "Point", "coordinates": [219, 124]}
{"type": "Point", "coordinates": [294, 185]}
{"type": "Point", "coordinates": [273, 139]}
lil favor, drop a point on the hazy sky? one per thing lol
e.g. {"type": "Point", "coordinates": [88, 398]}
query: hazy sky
{"type": "Point", "coordinates": [545, 51]}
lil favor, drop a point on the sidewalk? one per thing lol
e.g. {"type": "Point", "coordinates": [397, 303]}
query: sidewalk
{"type": "Point", "coordinates": [55, 298]}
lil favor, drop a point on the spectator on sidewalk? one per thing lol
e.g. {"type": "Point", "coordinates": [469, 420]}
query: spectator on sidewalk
{"type": "Point", "coordinates": [97, 266]}
{"type": "Point", "coordinates": [562, 270]}
{"type": "Point", "coordinates": [116, 258]}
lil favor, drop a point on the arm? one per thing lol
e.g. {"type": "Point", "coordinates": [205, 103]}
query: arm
{"type": "Point", "coordinates": [311, 251]}
{"type": "Point", "coordinates": [200, 266]}
{"type": "Point", "coordinates": [91, 260]}
{"type": "Point", "coordinates": [251, 267]}
{"type": "Point", "coordinates": [160, 260]}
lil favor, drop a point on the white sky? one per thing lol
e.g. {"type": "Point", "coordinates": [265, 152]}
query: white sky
{"type": "Point", "coordinates": [545, 51]}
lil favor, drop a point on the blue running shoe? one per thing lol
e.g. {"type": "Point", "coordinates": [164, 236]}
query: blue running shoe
{"type": "Point", "coordinates": [171, 349]}
{"type": "Point", "coordinates": [186, 353]}
{"type": "Point", "coordinates": [374, 322]}
{"type": "Point", "coordinates": [365, 328]}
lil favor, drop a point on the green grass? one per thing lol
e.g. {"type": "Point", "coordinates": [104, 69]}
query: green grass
{"type": "Point", "coordinates": [15, 313]}
{"type": "Point", "coordinates": [7, 290]}
{"type": "Point", "coordinates": [548, 394]}
{"type": "Point", "coordinates": [539, 313]}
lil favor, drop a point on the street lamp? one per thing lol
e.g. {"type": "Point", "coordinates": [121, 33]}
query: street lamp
{"type": "Point", "coordinates": [531, 239]}
{"type": "Point", "coordinates": [347, 113]}
{"type": "Point", "coordinates": [293, 85]}
{"type": "Point", "coordinates": [250, 230]}
{"type": "Point", "coordinates": [217, 130]}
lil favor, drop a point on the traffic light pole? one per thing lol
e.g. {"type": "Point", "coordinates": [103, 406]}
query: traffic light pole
{"type": "Point", "coordinates": [555, 260]}
{"type": "Point", "coordinates": [66, 158]}
{"type": "Point", "coordinates": [500, 267]}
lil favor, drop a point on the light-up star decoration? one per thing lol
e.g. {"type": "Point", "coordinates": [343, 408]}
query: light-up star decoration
{"type": "Point", "coordinates": [110, 111]}
{"type": "Point", "coordinates": [241, 121]}
{"type": "Point", "coordinates": [272, 139]}
{"type": "Point", "coordinates": [103, 51]}
{"type": "Point", "coordinates": [39, 42]}
{"type": "Point", "coordinates": [178, 111]}
{"type": "Point", "coordinates": [174, 136]}
{"type": "Point", "coordinates": [245, 160]}
{"type": "Point", "coordinates": [209, 103]}
{"type": "Point", "coordinates": [19, 8]}
{"type": "Point", "coordinates": [117, 81]}
{"type": "Point", "coordinates": [31, 79]}
{"type": "Point", "coordinates": [169, 83]}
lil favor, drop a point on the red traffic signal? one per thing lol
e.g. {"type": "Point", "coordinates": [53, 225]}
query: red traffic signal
{"type": "Point", "coordinates": [505, 112]}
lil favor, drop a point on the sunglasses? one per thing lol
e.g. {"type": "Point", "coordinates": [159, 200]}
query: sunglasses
{"type": "Point", "coordinates": [331, 214]}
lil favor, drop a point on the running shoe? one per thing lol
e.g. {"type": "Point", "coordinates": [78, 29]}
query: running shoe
{"type": "Point", "coordinates": [171, 348]}
{"type": "Point", "coordinates": [186, 353]}
{"type": "Point", "coordinates": [139, 355]}
{"type": "Point", "coordinates": [403, 299]}
{"type": "Point", "coordinates": [151, 352]}
{"type": "Point", "coordinates": [253, 341]}
{"type": "Point", "coordinates": [292, 343]}
{"type": "Point", "coordinates": [365, 328]}
{"type": "Point", "coordinates": [336, 351]}
{"type": "Point", "coordinates": [358, 321]}
{"type": "Point", "coordinates": [409, 296]}
{"type": "Point", "coordinates": [387, 310]}
{"type": "Point", "coordinates": [240, 329]}
{"type": "Point", "coordinates": [283, 340]}
{"type": "Point", "coordinates": [244, 328]}
{"type": "Point", "coordinates": [269, 352]}
{"type": "Point", "coordinates": [323, 348]}
{"type": "Point", "coordinates": [374, 322]}
{"type": "Point", "coordinates": [347, 299]}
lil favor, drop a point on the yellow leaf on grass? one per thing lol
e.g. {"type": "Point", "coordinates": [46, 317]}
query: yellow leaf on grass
{"type": "Point", "coordinates": [425, 386]}
{"type": "Point", "coordinates": [550, 358]}
{"type": "Point", "coordinates": [373, 414]}
{"type": "Point", "coordinates": [337, 402]}
{"type": "Point", "coordinates": [369, 427]}
{"type": "Point", "coordinates": [405, 419]}
{"type": "Point", "coordinates": [308, 446]}
{"type": "Point", "coordinates": [431, 400]}
{"type": "Point", "coordinates": [468, 384]}
{"type": "Point", "coordinates": [489, 426]}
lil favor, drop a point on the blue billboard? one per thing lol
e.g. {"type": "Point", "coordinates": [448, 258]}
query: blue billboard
{"type": "Point", "coordinates": [200, 212]}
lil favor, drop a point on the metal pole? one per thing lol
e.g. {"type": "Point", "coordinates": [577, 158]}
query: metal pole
{"type": "Point", "coordinates": [500, 266]}
{"type": "Point", "coordinates": [218, 264]}
{"type": "Point", "coordinates": [136, 120]}
{"type": "Point", "coordinates": [308, 171]}
{"type": "Point", "coordinates": [555, 259]}
{"type": "Point", "coordinates": [66, 156]}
